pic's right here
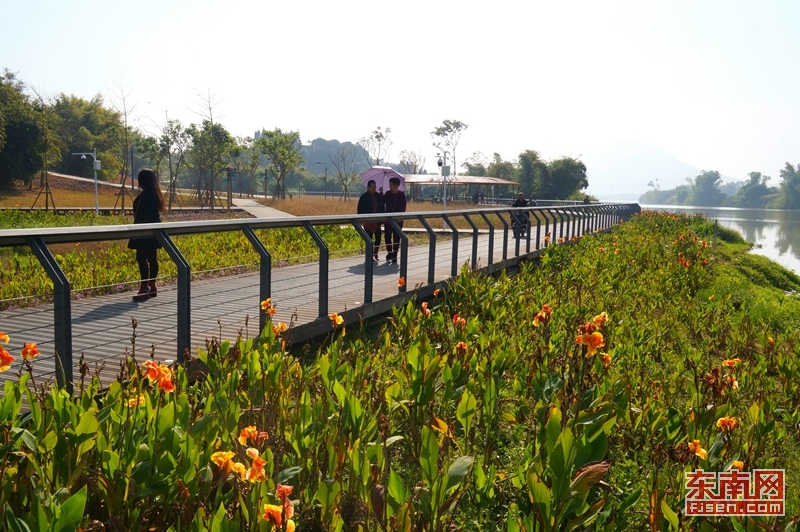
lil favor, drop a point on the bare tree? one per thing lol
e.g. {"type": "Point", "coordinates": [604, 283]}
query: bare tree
{"type": "Point", "coordinates": [49, 146]}
{"type": "Point", "coordinates": [412, 162]}
{"type": "Point", "coordinates": [344, 165]}
{"type": "Point", "coordinates": [210, 143]}
{"type": "Point", "coordinates": [377, 146]}
{"type": "Point", "coordinates": [120, 94]}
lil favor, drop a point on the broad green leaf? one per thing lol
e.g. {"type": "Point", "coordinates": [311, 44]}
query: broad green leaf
{"type": "Point", "coordinates": [466, 410]}
{"type": "Point", "coordinates": [553, 429]}
{"type": "Point", "coordinates": [398, 493]}
{"type": "Point", "coordinates": [429, 456]}
{"type": "Point", "coordinates": [540, 495]}
{"type": "Point", "coordinates": [166, 419]}
{"type": "Point", "coordinates": [14, 524]}
{"type": "Point", "coordinates": [630, 500]}
{"type": "Point", "coordinates": [671, 516]}
{"type": "Point", "coordinates": [288, 474]}
{"type": "Point", "coordinates": [71, 512]}
{"type": "Point", "coordinates": [327, 492]}
{"type": "Point", "coordinates": [458, 470]}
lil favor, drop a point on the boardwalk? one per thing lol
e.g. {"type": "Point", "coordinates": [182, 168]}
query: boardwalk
{"type": "Point", "coordinates": [102, 326]}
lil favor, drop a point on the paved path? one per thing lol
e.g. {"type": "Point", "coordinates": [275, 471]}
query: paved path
{"type": "Point", "coordinates": [258, 210]}
{"type": "Point", "coordinates": [222, 308]}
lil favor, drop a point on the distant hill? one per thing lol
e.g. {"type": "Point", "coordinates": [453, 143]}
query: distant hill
{"type": "Point", "coordinates": [625, 168]}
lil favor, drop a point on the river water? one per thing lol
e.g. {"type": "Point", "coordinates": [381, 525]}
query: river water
{"type": "Point", "coordinates": [774, 233]}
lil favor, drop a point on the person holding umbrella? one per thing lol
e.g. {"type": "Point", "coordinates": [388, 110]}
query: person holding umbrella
{"type": "Point", "coordinates": [371, 202]}
{"type": "Point", "coordinates": [393, 201]}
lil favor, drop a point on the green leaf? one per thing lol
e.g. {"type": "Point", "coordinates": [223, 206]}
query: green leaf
{"type": "Point", "coordinates": [561, 463]}
{"type": "Point", "coordinates": [540, 495]}
{"type": "Point", "coordinates": [398, 493]}
{"type": "Point", "coordinates": [429, 456]}
{"type": "Point", "coordinates": [288, 474]}
{"type": "Point", "coordinates": [14, 524]}
{"type": "Point", "coordinates": [737, 525]}
{"type": "Point", "coordinates": [166, 419]}
{"type": "Point", "coordinates": [716, 449]}
{"type": "Point", "coordinates": [553, 429]}
{"type": "Point", "coordinates": [630, 500]}
{"type": "Point", "coordinates": [327, 492]}
{"type": "Point", "coordinates": [466, 410]}
{"type": "Point", "coordinates": [458, 470]}
{"type": "Point", "coordinates": [671, 516]}
{"type": "Point", "coordinates": [218, 519]}
{"type": "Point", "coordinates": [71, 512]}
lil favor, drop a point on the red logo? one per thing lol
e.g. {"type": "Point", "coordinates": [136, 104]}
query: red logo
{"type": "Point", "coordinates": [735, 492]}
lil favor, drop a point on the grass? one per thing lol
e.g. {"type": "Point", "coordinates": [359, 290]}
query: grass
{"type": "Point", "coordinates": [317, 206]}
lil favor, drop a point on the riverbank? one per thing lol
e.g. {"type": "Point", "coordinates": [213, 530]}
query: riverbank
{"type": "Point", "coordinates": [575, 393]}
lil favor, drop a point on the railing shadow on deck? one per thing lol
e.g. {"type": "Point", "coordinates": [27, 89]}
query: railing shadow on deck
{"type": "Point", "coordinates": [565, 221]}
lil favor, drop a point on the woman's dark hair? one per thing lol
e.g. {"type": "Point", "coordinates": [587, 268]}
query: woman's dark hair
{"type": "Point", "coordinates": [148, 181]}
{"type": "Point", "coordinates": [370, 183]}
{"type": "Point", "coordinates": [395, 181]}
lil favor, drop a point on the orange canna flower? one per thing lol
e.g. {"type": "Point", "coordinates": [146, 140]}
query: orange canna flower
{"type": "Point", "coordinates": [543, 315]}
{"type": "Point", "coordinates": [30, 351]}
{"type": "Point", "coordinates": [727, 423]}
{"type": "Point", "coordinates": [731, 363]}
{"type": "Point", "coordinates": [697, 449]}
{"type": "Point", "coordinates": [282, 491]}
{"type": "Point", "coordinates": [600, 319]}
{"type": "Point", "coordinates": [425, 309]}
{"type": "Point", "coordinates": [461, 348]}
{"type": "Point", "coordinates": [593, 341]}
{"type": "Point", "coordinates": [253, 434]}
{"type": "Point", "coordinates": [274, 514]}
{"type": "Point", "coordinates": [239, 469]}
{"type": "Point", "coordinates": [4, 338]}
{"type": "Point", "coordinates": [152, 370]}
{"type": "Point", "coordinates": [279, 328]}
{"type": "Point", "coordinates": [458, 320]}
{"type": "Point", "coordinates": [335, 319]}
{"type": "Point", "coordinates": [436, 292]}
{"type": "Point", "coordinates": [732, 382]}
{"type": "Point", "coordinates": [268, 307]}
{"type": "Point", "coordinates": [737, 464]}
{"type": "Point", "coordinates": [606, 359]}
{"type": "Point", "coordinates": [5, 359]}
{"type": "Point", "coordinates": [256, 471]}
{"type": "Point", "coordinates": [401, 282]}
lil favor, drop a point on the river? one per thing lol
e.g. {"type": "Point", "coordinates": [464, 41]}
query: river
{"type": "Point", "coordinates": [774, 233]}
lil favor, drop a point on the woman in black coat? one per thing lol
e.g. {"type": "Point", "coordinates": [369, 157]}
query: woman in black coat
{"type": "Point", "coordinates": [147, 209]}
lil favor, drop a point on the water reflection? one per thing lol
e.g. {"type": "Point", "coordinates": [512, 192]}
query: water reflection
{"type": "Point", "coordinates": [774, 232]}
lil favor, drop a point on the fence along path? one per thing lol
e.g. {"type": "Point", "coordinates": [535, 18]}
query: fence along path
{"type": "Point", "coordinates": [103, 331]}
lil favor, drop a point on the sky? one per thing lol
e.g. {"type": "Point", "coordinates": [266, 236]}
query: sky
{"type": "Point", "coordinates": [715, 83]}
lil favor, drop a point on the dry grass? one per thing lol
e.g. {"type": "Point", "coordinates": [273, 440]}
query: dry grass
{"type": "Point", "coordinates": [107, 197]}
{"type": "Point", "coordinates": [319, 206]}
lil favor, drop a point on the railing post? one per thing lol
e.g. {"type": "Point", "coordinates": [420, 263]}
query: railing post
{"type": "Point", "coordinates": [62, 313]}
{"type": "Point", "coordinates": [538, 228]}
{"type": "Point", "coordinates": [431, 249]}
{"type": "Point", "coordinates": [505, 236]}
{"type": "Point", "coordinates": [560, 224]}
{"type": "Point", "coordinates": [184, 293]}
{"type": "Point", "coordinates": [265, 273]}
{"type": "Point", "coordinates": [491, 237]}
{"type": "Point", "coordinates": [369, 265]}
{"type": "Point", "coordinates": [323, 269]}
{"type": "Point", "coordinates": [403, 253]}
{"type": "Point", "coordinates": [547, 225]}
{"type": "Point", "coordinates": [454, 260]}
{"type": "Point", "coordinates": [528, 231]}
{"type": "Point", "coordinates": [474, 241]}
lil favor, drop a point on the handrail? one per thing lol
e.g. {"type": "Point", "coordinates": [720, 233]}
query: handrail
{"type": "Point", "coordinates": [595, 216]}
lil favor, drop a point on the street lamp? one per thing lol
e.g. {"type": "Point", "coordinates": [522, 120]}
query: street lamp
{"type": "Point", "coordinates": [442, 162]}
{"type": "Point", "coordinates": [326, 178]}
{"type": "Point", "coordinates": [96, 166]}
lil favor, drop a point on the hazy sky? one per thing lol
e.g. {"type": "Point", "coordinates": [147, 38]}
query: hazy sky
{"type": "Point", "coordinates": [716, 83]}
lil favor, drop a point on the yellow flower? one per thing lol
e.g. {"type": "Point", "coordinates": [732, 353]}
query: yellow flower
{"type": "Point", "coordinates": [731, 363]}
{"type": "Point", "coordinates": [606, 360]}
{"type": "Point", "coordinates": [727, 423]}
{"type": "Point", "coordinates": [133, 402]}
{"type": "Point", "coordinates": [268, 307]}
{"type": "Point", "coordinates": [738, 464]}
{"type": "Point", "coordinates": [279, 328]}
{"type": "Point", "coordinates": [335, 319]}
{"type": "Point", "coordinates": [592, 341]}
{"type": "Point", "coordinates": [697, 449]}
{"type": "Point", "coordinates": [4, 338]}
{"type": "Point", "coordinates": [223, 460]}
{"type": "Point", "coordinates": [600, 319]}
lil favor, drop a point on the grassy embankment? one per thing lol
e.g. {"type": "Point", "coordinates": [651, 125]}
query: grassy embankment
{"type": "Point", "coordinates": [572, 396]}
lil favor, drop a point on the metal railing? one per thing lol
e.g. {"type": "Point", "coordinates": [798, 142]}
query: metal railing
{"type": "Point", "coordinates": [571, 221]}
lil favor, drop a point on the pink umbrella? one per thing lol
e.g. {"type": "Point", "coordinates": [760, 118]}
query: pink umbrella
{"type": "Point", "coordinates": [381, 175]}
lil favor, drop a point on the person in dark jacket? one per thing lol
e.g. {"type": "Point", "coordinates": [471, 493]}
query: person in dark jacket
{"type": "Point", "coordinates": [393, 201]}
{"type": "Point", "coordinates": [147, 209]}
{"type": "Point", "coordinates": [371, 202]}
{"type": "Point", "coordinates": [520, 220]}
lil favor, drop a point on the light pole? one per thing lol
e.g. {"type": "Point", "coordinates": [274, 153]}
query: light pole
{"type": "Point", "coordinates": [96, 165]}
{"type": "Point", "coordinates": [326, 178]}
{"type": "Point", "coordinates": [445, 172]}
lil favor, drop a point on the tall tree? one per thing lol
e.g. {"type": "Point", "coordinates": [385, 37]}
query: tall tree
{"type": "Point", "coordinates": [706, 189]}
{"type": "Point", "coordinates": [120, 103]}
{"type": "Point", "coordinates": [532, 175]}
{"type": "Point", "coordinates": [377, 146]}
{"type": "Point", "coordinates": [790, 187]}
{"type": "Point", "coordinates": [502, 169]}
{"type": "Point", "coordinates": [446, 137]}
{"type": "Point", "coordinates": [475, 164]}
{"type": "Point", "coordinates": [20, 133]}
{"type": "Point", "coordinates": [206, 158]}
{"type": "Point", "coordinates": [412, 162]}
{"type": "Point", "coordinates": [753, 193]}
{"type": "Point", "coordinates": [283, 151]}
{"type": "Point", "coordinates": [567, 176]}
